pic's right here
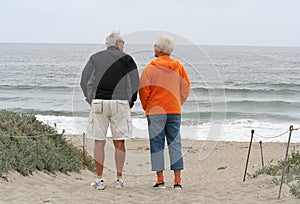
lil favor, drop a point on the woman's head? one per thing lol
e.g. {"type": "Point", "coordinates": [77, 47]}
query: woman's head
{"type": "Point", "coordinates": [164, 45]}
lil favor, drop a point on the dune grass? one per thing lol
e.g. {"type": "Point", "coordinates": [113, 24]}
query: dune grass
{"type": "Point", "coordinates": [292, 172]}
{"type": "Point", "coordinates": [28, 145]}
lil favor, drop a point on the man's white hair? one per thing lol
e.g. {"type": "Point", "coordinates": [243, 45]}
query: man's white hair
{"type": "Point", "coordinates": [165, 43]}
{"type": "Point", "coordinates": [112, 38]}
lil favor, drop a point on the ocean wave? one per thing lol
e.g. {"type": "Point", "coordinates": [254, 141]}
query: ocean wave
{"type": "Point", "coordinates": [289, 89]}
{"type": "Point", "coordinates": [35, 87]}
{"type": "Point", "coordinates": [269, 86]}
{"type": "Point", "coordinates": [209, 116]}
{"type": "Point", "coordinates": [262, 103]}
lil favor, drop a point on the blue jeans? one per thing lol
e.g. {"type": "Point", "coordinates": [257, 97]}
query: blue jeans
{"type": "Point", "coordinates": [159, 127]}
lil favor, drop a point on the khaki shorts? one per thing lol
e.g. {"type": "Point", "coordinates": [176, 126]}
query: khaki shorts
{"type": "Point", "coordinates": [115, 113]}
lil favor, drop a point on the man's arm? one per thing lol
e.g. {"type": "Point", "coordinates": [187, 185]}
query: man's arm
{"type": "Point", "coordinates": [134, 81]}
{"type": "Point", "coordinates": [86, 74]}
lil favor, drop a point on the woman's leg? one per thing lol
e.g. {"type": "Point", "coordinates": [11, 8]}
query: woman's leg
{"type": "Point", "coordinates": [156, 124]}
{"type": "Point", "coordinates": [174, 144]}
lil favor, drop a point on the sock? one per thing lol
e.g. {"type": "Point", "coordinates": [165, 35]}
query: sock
{"type": "Point", "coordinates": [119, 177]}
{"type": "Point", "coordinates": [160, 179]}
{"type": "Point", "coordinates": [99, 177]}
{"type": "Point", "coordinates": [177, 180]}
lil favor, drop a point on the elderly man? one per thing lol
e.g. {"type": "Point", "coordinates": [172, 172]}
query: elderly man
{"type": "Point", "coordinates": [110, 83]}
{"type": "Point", "coordinates": [164, 87]}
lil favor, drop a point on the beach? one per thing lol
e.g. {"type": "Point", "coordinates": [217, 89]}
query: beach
{"type": "Point", "coordinates": [215, 178]}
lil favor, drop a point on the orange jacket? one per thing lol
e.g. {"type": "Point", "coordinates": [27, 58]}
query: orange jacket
{"type": "Point", "coordinates": [164, 86]}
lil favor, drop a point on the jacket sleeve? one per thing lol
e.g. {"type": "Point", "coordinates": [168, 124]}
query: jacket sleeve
{"type": "Point", "coordinates": [86, 75]}
{"type": "Point", "coordinates": [145, 88]}
{"type": "Point", "coordinates": [185, 86]}
{"type": "Point", "coordinates": [134, 82]}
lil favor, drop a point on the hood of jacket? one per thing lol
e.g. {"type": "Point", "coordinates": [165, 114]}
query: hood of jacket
{"type": "Point", "coordinates": [166, 63]}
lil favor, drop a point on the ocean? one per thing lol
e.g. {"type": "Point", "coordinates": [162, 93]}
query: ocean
{"type": "Point", "coordinates": [235, 89]}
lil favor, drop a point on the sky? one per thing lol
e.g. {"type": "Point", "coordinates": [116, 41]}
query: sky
{"type": "Point", "coordinates": [203, 22]}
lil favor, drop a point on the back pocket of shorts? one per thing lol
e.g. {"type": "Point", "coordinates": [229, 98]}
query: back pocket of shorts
{"type": "Point", "coordinates": [123, 106]}
{"type": "Point", "coordinates": [97, 107]}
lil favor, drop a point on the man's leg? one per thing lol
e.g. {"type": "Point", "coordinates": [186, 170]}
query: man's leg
{"type": "Point", "coordinates": [120, 154]}
{"type": "Point", "coordinates": [99, 156]}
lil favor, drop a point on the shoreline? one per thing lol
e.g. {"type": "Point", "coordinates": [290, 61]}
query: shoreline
{"type": "Point", "coordinates": [239, 130]}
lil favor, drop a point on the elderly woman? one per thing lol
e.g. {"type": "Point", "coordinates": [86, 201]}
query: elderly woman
{"type": "Point", "coordinates": [164, 87]}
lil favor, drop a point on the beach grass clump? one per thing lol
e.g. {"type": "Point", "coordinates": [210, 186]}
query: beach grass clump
{"type": "Point", "coordinates": [292, 172]}
{"type": "Point", "coordinates": [28, 145]}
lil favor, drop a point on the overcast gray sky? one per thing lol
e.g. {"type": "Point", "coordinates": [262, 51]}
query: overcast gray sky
{"type": "Point", "coordinates": [205, 22]}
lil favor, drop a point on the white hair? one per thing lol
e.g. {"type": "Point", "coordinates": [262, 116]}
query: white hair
{"type": "Point", "coordinates": [165, 43]}
{"type": "Point", "coordinates": [112, 38]}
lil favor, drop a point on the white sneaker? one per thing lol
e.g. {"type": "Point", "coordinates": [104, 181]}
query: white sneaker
{"type": "Point", "coordinates": [119, 183]}
{"type": "Point", "coordinates": [98, 184]}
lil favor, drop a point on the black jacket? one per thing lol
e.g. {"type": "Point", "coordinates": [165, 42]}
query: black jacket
{"type": "Point", "coordinates": [111, 75]}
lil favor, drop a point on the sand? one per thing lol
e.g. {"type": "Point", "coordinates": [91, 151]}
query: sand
{"type": "Point", "coordinates": [216, 177]}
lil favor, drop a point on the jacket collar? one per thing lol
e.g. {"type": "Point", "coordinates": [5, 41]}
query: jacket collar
{"type": "Point", "coordinates": [112, 48]}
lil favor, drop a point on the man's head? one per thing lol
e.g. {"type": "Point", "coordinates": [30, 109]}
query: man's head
{"type": "Point", "coordinates": [164, 45]}
{"type": "Point", "coordinates": [115, 39]}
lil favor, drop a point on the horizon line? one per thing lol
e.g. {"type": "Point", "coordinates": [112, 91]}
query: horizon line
{"type": "Point", "coordinates": [94, 43]}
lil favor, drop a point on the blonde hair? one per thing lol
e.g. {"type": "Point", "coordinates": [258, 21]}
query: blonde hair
{"type": "Point", "coordinates": [165, 43]}
{"type": "Point", "coordinates": [112, 38]}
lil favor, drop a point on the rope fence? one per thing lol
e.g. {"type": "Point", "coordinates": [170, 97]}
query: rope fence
{"type": "Point", "coordinates": [290, 130]}
{"type": "Point", "coordinates": [296, 128]}
{"type": "Point", "coordinates": [268, 137]}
